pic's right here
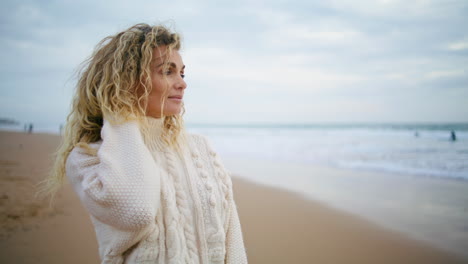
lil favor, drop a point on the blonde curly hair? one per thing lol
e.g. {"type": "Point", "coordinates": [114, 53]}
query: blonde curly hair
{"type": "Point", "coordinates": [114, 83]}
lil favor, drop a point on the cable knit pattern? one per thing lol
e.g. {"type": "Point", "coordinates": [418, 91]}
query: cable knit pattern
{"type": "Point", "coordinates": [152, 204]}
{"type": "Point", "coordinates": [235, 251]}
{"type": "Point", "coordinates": [214, 224]}
{"type": "Point", "coordinates": [185, 213]}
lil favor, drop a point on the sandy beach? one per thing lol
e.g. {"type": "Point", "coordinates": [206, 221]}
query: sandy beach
{"type": "Point", "coordinates": [279, 226]}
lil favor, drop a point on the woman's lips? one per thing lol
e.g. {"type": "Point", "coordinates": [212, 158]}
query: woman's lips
{"type": "Point", "coordinates": [176, 98]}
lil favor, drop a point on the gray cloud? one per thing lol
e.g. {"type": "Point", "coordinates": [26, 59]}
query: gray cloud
{"type": "Point", "coordinates": [305, 61]}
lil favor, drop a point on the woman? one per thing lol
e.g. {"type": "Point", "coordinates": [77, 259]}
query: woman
{"type": "Point", "coordinates": [155, 193]}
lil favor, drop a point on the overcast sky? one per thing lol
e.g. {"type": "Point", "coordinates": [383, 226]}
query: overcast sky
{"type": "Point", "coordinates": [256, 61]}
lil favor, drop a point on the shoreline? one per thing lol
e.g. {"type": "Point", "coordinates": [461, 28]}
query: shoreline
{"type": "Point", "coordinates": [430, 210]}
{"type": "Point", "coordinates": [320, 233]}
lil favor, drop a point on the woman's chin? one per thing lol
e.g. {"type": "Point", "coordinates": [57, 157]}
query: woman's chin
{"type": "Point", "coordinates": [173, 111]}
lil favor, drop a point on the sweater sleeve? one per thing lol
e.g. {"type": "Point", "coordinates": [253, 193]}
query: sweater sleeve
{"type": "Point", "coordinates": [120, 185]}
{"type": "Point", "coordinates": [235, 249]}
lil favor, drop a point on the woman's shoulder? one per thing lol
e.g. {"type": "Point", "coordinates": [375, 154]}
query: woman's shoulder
{"type": "Point", "coordinates": [83, 153]}
{"type": "Point", "coordinates": [201, 141]}
{"type": "Point", "coordinates": [196, 137]}
{"type": "Point", "coordinates": [86, 149]}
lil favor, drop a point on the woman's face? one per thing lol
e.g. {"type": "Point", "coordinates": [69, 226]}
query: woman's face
{"type": "Point", "coordinates": [175, 85]}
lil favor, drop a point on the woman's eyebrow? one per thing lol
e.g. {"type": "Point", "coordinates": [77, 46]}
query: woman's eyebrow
{"type": "Point", "coordinates": [171, 64]}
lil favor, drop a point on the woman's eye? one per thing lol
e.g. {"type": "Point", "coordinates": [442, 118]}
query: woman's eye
{"type": "Point", "coordinates": [182, 75]}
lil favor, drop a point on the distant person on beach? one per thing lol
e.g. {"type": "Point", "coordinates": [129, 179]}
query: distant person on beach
{"type": "Point", "coordinates": [155, 193]}
{"type": "Point", "coordinates": [453, 137]}
{"type": "Point", "coordinates": [30, 128]}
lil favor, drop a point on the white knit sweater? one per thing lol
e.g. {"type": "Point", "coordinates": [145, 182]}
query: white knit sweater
{"type": "Point", "coordinates": [151, 205]}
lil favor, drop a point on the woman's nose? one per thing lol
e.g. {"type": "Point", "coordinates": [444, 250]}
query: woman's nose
{"type": "Point", "coordinates": [181, 84]}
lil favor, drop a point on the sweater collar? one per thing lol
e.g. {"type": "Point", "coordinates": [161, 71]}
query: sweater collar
{"type": "Point", "coordinates": [152, 131]}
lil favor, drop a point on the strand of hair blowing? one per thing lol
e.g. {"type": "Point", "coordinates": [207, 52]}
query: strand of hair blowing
{"type": "Point", "coordinates": [114, 83]}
